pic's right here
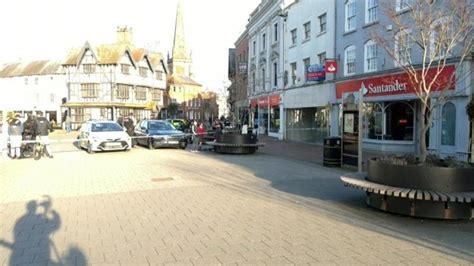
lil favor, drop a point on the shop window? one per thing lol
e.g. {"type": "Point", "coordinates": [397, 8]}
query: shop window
{"type": "Point", "coordinates": [448, 125]}
{"type": "Point", "coordinates": [275, 119]}
{"type": "Point", "coordinates": [307, 124]}
{"type": "Point", "coordinates": [399, 117]}
{"type": "Point", "coordinates": [373, 128]}
{"type": "Point", "coordinates": [389, 121]}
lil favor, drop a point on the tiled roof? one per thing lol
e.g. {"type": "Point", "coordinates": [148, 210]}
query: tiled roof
{"type": "Point", "coordinates": [30, 69]}
{"type": "Point", "coordinates": [112, 53]}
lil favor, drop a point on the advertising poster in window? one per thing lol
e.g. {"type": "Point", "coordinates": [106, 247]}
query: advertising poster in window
{"type": "Point", "coordinates": [349, 123]}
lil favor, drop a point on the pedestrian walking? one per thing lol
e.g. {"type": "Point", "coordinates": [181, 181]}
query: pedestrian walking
{"type": "Point", "coordinates": [68, 124]}
{"type": "Point", "coordinates": [15, 130]}
{"type": "Point", "coordinates": [201, 132]}
{"type": "Point", "coordinates": [194, 136]}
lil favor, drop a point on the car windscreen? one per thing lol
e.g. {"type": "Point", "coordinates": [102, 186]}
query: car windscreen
{"type": "Point", "coordinates": [160, 126]}
{"type": "Point", "coordinates": [105, 127]}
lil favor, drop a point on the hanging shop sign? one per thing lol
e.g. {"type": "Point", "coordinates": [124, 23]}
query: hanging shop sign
{"type": "Point", "coordinates": [331, 66]}
{"type": "Point", "coordinates": [315, 73]}
{"type": "Point", "coordinates": [395, 84]}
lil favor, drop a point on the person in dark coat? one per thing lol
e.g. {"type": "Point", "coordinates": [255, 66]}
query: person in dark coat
{"type": "Point", "coordinates": [43, 128]}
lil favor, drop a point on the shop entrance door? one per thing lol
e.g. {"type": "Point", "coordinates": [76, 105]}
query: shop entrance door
{"type": "Point", "coordinates": [350, 138]}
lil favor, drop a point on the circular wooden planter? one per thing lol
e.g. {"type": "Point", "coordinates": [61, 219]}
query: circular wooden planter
{"type": "Point", "coordinates": [430, 192]}
{"type": "Point", "coordinates": [236, 143]}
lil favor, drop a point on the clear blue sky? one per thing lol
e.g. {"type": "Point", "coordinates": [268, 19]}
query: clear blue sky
{"type": "Point", "coordinates": [47, 29]}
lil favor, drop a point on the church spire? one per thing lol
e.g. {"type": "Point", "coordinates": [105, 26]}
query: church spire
{"type": "Point", "coordinates": [180, 51]}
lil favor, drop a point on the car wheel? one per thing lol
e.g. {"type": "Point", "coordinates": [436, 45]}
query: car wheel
{"type": "Point", "coordinates": [89, 148]}
{"type": "Point", "coordinates": [182, 145]}
{"type": "Point", "coordinates": [150, 145]}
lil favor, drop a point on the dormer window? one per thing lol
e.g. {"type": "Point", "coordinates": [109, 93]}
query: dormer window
{"type": "Point", "coordinates": [159, 75]}
{"type": "Point", "coordinates": [143, 71]}
{"type": "Point", "coordinates": [125, 69]}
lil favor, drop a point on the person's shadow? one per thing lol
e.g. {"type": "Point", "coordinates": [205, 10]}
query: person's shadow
{"type": "Point", "coordinates": [32, 231]}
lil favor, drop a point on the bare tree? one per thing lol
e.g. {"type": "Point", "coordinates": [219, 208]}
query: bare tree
{"type": "Point", "coordinates": [441, 31]}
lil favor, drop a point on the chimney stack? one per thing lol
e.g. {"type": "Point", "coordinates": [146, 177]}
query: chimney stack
{"type": "Point", "coordinates": [124, 35]}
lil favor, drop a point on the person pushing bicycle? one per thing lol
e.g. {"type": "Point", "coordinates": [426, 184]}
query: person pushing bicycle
{"type": "Point", "coordinates": [43, 127]}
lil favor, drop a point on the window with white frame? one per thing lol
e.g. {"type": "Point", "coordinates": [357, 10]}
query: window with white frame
{"type": "Point", "coordinates": [322, 23]}
{"type": "Point", "coordinates": [293, 36]}
{"type": "Point", "coordinates": [350, 21]}
{"type": "Point", "coordinates": [254, 46]}
{"type": "Point", "coordinates": [371, 12]}
{"type": "Point", "coordinates": [275, 32]}
{"type": "Point", "coordinates": [370, 51]}
{"type": "Point", "coordinates": [264, 41]}
{"type": "Point", "coordinates": [349, 61]}
{"type": "Point", "coordinates": [401, 5]}
{"type": "Point", "coordinates": [307, 30]}
{"type": "Point", "coordinates": [322, 58]}
{"type": "Point", "coordinates": [293, 73]}
{"type": "Point", "coordinates": [263, 78]}
{"type": "Point", "coordinates": [403, 47]}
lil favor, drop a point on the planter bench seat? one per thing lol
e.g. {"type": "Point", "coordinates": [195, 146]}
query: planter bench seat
{"type": "Point", "coordinates": [413, 202]}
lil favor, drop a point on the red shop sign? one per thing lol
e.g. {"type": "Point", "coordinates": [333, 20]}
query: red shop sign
{"type": "Point", "coordinates": [394, 84]}
{"type": "Point", "coordinates": [263, 101]}
{"type": "Point", "coordinates": [330, 66]}
{"type": "Point", "coordinates": [274, 100]}
{"type": "Point", "coordinates": [253, 103]}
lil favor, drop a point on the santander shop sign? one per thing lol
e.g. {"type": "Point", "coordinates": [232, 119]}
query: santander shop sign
{"type": "Point", "coordinates": [374, 89]}
{"type": "Point", "coordinates": [394, 84]}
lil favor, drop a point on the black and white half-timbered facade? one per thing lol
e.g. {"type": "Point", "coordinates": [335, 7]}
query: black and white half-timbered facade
{"type": "Point", "coordinates": [113, 80]}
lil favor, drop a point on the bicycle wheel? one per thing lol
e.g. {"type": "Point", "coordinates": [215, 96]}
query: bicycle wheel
{"type": "Point", "coordinates": [38, 151]}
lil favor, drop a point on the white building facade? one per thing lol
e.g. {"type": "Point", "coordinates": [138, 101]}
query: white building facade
{"type": "Point", "coordinates": [31, 87]}
{"type": "Point", "coordinates": [265, 67]}
{"type": "Point", "coordinates": [309, 33]}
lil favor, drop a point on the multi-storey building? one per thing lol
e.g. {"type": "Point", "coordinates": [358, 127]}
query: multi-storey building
{"type": "Point", "coordinates": [309, 31]}
{"type": "Point", "coordinates": [30, 87]}
{"type": "Point", "coordinates": [113, 80]}
{"type": "Point", "coordinates": [392, 108]}
{"type": "Point", "coordinates": [265, 67]}
{"type": "Point", "coordinates": [238, 75]}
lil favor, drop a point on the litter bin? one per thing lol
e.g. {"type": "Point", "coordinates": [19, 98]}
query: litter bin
{"type": "Point", "coordinates": [332, 152]}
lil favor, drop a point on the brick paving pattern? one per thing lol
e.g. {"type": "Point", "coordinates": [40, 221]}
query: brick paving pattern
{"type": "Point", "coordinates": [216, 210]}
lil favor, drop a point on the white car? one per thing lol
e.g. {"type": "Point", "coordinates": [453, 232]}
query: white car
{"type": "Point", "coordinates": [103, 136]}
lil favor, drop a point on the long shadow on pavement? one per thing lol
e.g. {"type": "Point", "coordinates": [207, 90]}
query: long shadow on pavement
{"type": "Point", "coordinates": [32, 242]}
{"type": "Point", "coordinates": [321, 188]}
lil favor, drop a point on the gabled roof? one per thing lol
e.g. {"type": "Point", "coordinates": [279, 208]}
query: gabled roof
{"type": "Point", "coordinates": [110, 54]}
{"type": "Point", "coordinates": [180, 79]}
{"type": "Point", "coordinates": [43, 67]}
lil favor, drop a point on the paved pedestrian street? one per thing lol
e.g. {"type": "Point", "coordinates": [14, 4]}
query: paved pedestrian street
{"type": "Point", "coordinates": [174, 207]}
